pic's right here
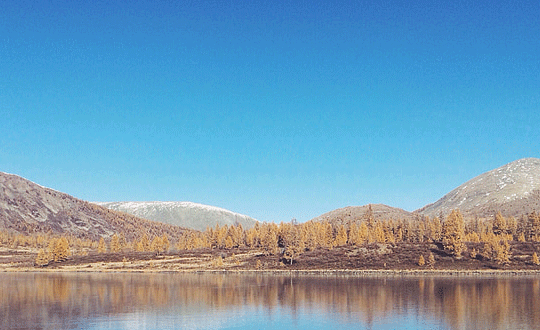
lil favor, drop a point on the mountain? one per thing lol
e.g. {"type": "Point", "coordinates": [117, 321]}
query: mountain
{"type": "Point", "coordinates": [513, 189]}
{"type": "Point", "coordinates": [185, 214]}
{"type": "Point", "coordinates": [27, 207]}
{"type": "Point", "coordinates": [352, 213]}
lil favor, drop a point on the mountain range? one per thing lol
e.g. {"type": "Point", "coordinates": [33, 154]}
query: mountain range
{"type": "Point", "coordinates": [27, 207]}
{"type": "Point", "coordinates": [512, 189]}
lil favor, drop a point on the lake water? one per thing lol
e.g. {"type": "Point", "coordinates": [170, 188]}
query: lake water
{"type": "Point", "coordinates": [233, 301]}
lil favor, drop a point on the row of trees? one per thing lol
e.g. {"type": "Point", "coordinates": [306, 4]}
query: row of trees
{"type": "Point", "coordinates": [291, 239]}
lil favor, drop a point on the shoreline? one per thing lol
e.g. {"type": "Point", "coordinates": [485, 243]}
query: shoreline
{"type": "Point", "coordinates": [298, 272]}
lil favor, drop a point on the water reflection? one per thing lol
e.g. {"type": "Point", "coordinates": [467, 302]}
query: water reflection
{"type": "Point", "coordinates": [43, 301]}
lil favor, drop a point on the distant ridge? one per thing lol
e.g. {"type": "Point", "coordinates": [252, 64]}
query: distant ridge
{"type": "Point", "coordinates": [512, 189]}
{"type": "Point", "coordinates": [27, 207]}
{"type": "Point", "coordinates": [354, 213]}
{"type": "Point", "coordinates": [186, 214]}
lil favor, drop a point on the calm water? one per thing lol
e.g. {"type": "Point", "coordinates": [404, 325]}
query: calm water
{"type": "Point", "coordinates": [193, 301]}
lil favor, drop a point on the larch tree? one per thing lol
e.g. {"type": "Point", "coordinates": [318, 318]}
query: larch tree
{"type": "Point", "coordinates": [453, 233]}
{"type": "Point", "coordinates": [115, 244]}
{"type": "Point", "coordinates": [101, 246]}
{"type": "Point", "coordinates": [43, 260]}
{"type": "Point", "coordinates": [499, 224]}
{"type": "Point", "coordinates": [61, 250]}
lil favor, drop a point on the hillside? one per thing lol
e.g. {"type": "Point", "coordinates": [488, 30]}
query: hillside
{"type": "Point", "coordinates": [353, 213]}
{"type": "Point", "coordinates": [513, 189]}
{"type": "Point", "coordinates": [27, 207]}
{"type": "Point", "coordinates": [184, 214]}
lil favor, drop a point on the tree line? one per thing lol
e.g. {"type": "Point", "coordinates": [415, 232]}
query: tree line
{"type": "Point", "coordinates": [490, 238]}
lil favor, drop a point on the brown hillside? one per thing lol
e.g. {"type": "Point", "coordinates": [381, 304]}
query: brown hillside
{"type": "Point", "coordinates": [27, 207]}
{"type": "Point", "coordinates": [355, 213]}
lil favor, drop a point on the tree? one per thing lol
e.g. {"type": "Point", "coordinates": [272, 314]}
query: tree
{"type": "Point", "coordinates": [101, 246]}
{"type": "Point", "coordinates": [165, 243]}
{"type": "Point", "coordinates": [499, 224]}
{"type": "Point", "coordinates": [157, 245]}
{"type": "Point", "coordinates": [453, 232]}
{"type": "Point", "coordinates": [115, 243]}
{"type": "Point", "coordinates": [61, 250]}
{"type": "Point", "coordinates": [534, 227]}
{"type": "Point", "coordinates": [341, 237]}
{"type": "Point", "coordinates": [431, 260]}
{"type": "Point", "coordinates": [43, 260]}
{"type": "Point", "coordinates": [421, 261]}
{"type": "Point", "coordinates": [535, 259]}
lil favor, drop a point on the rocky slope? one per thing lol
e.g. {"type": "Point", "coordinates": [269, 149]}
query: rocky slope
{"type": "Point", "coordinates": [353, 213]}
{"type": "Point", "coordinates": [185, 214]}
{"type": "Point", "coordinates": [513, 189]}
{"type": "Point", "coordinates": [27, 207]}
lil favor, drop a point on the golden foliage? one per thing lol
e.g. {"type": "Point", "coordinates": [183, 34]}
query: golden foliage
{"type": "Point", "coordinates": [421, 261]}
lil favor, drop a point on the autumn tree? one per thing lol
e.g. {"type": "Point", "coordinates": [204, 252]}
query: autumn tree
{"type": "Point", "coordinates": [533, 227]}
{"type": "Point", "coordinates": [341, 236]}
{"type": "Point", "coordinates": [101, 246]}
{"type": "Point", "coordinates": [431, 260]}
{"type": "Point", "coordinates": [61, 250]}
{"type": "Point", "coordinates": [157, 245]}
{"type": "Point", "coordinates": [42, 258]}
{"type": "Point", "coordinates": [500, 226]}
{"type": "Point", "coordinates": [535, 259]}
{"type": "Point", "coordinates": [421, 261]}
{"type": "Point", "coordinates": [165, 244]}
{"type": "Point", "coordinates": [453, 233]}
{"type": "Point", "coordinates": [115, 244]}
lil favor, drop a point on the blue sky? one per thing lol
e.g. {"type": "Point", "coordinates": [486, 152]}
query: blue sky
{"type": "Point", "coordinates": [271, 109]}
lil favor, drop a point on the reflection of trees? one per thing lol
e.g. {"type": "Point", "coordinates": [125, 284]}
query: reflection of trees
{"type": "Point", "coordinates": [37, 299]}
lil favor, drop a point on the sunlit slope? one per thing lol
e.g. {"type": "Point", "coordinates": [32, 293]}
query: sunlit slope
{"type": "Point", "coordinates": [513, 189]}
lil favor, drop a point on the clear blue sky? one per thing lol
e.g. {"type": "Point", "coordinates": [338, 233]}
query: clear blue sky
{"type": "Point", "coordinates": [274, 109]}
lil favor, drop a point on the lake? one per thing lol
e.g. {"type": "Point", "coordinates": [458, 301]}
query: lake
{"type": "Point", "coordinates": [256, 301]}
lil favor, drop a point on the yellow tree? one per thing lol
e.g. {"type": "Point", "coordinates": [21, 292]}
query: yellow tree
{"type": "Point", "coordinates": [115, 244]}
{"type": "Point", "coordinates": [341, 237]}
{"type": "Point", "coordinates": [42, 259]}
{"type": "Point", "coordinates": [61, 250]}
{"type": "Point", "coordinates": [453, 233]}
{"type": "Point", "coordinates": [269, 238]}
{"type": "Point", "coordinates": [499, 224]}
{"type": "Point", "coordinates": [156, 245]}
{"type": "Point", "coordinates": [165, 244]}
{"type": "Point", "coordinates": [101, 246]}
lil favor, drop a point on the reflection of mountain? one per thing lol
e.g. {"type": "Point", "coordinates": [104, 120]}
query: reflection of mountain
{"type": "Point", "coordinates": [69, 300]}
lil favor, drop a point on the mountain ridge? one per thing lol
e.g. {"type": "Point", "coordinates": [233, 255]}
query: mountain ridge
{"type": "Point", "coordinates": [513, 189]}
{"type": "Point", "coordinates": [28, 207]}
{"type": "Point", "coordinates": [182, 213]}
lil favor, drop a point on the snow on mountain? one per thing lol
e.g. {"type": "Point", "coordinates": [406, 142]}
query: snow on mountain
{"type": "Point", "coordinates": [185, 214]}
{"type": "Point", "coordinates": [513, 189]}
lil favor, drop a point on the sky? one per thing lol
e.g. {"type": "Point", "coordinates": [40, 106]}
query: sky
{"type": "Point", "coordinates": [274, 109]}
